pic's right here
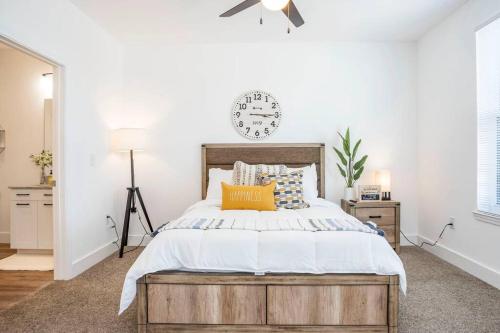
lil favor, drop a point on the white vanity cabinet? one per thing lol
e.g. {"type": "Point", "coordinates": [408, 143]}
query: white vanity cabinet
{"type": "Point", "coordinates": [31, 218]}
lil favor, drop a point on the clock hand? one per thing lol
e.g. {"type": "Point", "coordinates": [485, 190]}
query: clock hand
{"type": "Point", "coordinates": [266, 115]}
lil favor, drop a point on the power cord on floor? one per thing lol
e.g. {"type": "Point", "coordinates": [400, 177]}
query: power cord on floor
{"type": "Point", "coordinates": [117, 241]}
{"type": "Point", "coordinates": [427, 243]}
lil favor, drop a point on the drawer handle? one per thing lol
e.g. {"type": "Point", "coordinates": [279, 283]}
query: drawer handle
{"type": "Point", "coordinates": [47, 204]}
{"type": "Point", "coordinates": [22, 204]}
{"type": "Point", "coordinates": [375, 216]}
{"type": "Point", "coordinates": [47, 194]}
{"type": "Point", "coordinates": [23, 194]}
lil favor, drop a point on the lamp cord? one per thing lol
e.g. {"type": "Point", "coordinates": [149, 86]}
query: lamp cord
{"type": "Point", "coordinates": [146, 233]}
{"type": "Point", "coordinates": [427, 243]}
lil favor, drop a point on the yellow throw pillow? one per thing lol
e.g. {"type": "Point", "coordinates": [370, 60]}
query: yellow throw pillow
{"type": "Point", "coordinates": [237, 197]}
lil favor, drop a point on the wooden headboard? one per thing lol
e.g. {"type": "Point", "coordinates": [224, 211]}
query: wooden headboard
{"type": "Point", "coordinates": [291, 154]}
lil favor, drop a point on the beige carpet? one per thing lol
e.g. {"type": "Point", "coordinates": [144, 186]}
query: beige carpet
{"type": "Point", "coordinates": [441, 298]}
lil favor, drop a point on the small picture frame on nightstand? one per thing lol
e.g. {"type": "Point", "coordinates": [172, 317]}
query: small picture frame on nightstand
{"type": "Point", "coordinates": [370, 193]}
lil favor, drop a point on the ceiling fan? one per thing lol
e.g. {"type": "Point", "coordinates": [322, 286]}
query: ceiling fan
{"type": "Point", "coordinates": [286, 6]}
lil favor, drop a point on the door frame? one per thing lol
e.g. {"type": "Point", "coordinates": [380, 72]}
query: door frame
{"type": "Point", "coordinates": [62, 267]}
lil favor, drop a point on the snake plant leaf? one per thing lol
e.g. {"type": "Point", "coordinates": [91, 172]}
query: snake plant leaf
{"type": "Point", "coordinates": [341, 136]}
{"type": "Point", "coordinates": [342, 172]}
{"type": "Point", "coordinates": [360, 163]}
{"type": "Point", "coordinates": [355, 150]}
{"type": "Point", "coordinates": [341, 156]}
{"type": "Point", "coordinates": [347, 143]}
{"type": "Point", "coordinates": [358, 173]}
{"type": "Point", "coordinates": [350, 180]}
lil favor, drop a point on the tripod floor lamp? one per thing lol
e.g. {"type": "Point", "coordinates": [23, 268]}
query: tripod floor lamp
{"type": "Point", "coordinates": [130, 140]}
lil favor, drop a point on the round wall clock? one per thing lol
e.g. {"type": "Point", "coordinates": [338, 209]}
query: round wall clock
{"type": "Point", "coordinates": [256, 115]}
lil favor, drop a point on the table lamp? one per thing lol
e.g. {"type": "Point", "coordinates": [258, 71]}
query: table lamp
{"type": "Point", "coordinates": [383, 178]}
{"type": "Point", "coordinates": [130, 140]}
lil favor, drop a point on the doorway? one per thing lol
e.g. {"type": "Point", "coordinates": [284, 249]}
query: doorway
{"type": "Point", "coordinates": [31, 238]}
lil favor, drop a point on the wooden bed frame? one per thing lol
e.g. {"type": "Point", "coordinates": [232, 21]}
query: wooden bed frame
{"type": "Point", "coordinates": [172, 301]}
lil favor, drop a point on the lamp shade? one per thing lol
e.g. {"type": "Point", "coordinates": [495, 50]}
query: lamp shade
{"type": "Point", "coordinates": [383, 178]}
{"type": "Point", "coordinates": [126, 139]}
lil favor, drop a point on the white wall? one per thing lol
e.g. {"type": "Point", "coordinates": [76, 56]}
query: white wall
{"type": "Point", "coordinates": [447, 142]}
{"type": "Point", "coordinates": [21, 115]}
{"type": "Point", "coordinates": [92, 83]}
{"type": "Point", "coordinates": [183, 94]}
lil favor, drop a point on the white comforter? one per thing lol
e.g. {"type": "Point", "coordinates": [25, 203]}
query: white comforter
{"type": "Point", "coordinates": [263, 252]}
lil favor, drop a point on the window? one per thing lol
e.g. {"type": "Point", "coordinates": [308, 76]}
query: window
{"type": "Point", "coordinates": [488, 121]}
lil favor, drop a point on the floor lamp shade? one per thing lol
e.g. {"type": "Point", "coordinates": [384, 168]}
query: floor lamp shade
{"type": "Point", "coordinates": [126, 139]}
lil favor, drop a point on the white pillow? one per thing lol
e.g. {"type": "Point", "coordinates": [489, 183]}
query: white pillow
{"type": "Point", "coordinates": [215, 177]}
{"type": "Point", "coordinates": [309, 181]}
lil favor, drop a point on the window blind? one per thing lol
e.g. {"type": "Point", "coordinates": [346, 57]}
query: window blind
{"type": "Point", "coordinates": [488, 117]}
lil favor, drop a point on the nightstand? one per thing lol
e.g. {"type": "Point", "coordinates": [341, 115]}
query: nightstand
{"type": "Point", "coordinates": [385, 214]}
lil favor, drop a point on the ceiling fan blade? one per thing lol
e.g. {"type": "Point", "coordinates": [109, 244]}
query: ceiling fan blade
{"type": "Point", "coordinates": [238, 8]}
{"type": "Point", "coordinates": [295, 16]}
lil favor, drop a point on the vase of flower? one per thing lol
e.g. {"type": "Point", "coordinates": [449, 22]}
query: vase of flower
{"type": "Point", "coordinates": [43, 177]}
{"type": "Point", "coordinates": [42, 160]}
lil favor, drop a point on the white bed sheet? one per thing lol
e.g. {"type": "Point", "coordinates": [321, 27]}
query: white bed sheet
{"type": "Point", "coordinates": [264, 252]}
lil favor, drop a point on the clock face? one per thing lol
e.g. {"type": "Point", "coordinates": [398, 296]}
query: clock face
{"type": "Point", "coordinates": [256, 115]}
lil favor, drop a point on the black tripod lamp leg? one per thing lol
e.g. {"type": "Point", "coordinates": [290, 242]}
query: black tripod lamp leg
{"type": "Point", "coordinates": [126, 223]}
{"type": "Point", "coordinates": [144, 209]}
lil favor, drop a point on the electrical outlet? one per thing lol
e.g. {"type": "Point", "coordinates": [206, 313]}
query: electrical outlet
{"type": "Point", "coordinates": [451, 220]}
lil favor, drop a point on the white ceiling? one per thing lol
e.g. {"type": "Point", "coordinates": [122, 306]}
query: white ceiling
{"type": "Point", "coordinates": [192, 21]}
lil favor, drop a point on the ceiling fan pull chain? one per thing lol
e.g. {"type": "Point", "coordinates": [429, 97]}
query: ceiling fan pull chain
{"type": "Point", "coordinates": [288, 15]}
{"type": "Point", "coordinates": [261, 20]}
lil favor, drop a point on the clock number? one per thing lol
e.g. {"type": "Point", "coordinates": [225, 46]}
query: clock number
{"type": "Point", "coordinates": [240, 124]}
{"type": "Point", "coordinates": [273, 124]}
{"type": "Point", "coordinates": [248, 129]}
{"type": "Point", "coordinates": [267, 99]}
{"type": "Point", "coordinates": [257, 97]}
{"type": "Point", "coordinates": [274, 105]}
{"type": "Point", "coordinates": [238, 114]}
{"type": "Point", "coordinates": [266, 131]}
{"type": "Point", "coordinates": [276, 115]}
{"type": "Point", "coordinates": [243, 106]}
{"type": "Point", "coordinates": [257, 133]}
{"type": "Point", "coordinates": [248, 100]}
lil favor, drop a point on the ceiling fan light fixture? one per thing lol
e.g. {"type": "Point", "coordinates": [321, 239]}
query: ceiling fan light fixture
{"type": "Point", "coordinates": [275, 4]}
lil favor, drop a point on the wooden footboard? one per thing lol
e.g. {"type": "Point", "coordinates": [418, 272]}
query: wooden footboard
{"type": "Point", "coordinates": [206, 302]}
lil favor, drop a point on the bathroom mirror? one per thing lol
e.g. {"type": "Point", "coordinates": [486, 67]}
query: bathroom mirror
{"type": "Point", "coordinates": [2, 139]}
{"type": "Point", "coordinates": [47, 125]}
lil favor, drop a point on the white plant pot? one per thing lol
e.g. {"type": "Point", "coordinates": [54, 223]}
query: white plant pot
{"type": "Point", "coordinates": [349, 193]}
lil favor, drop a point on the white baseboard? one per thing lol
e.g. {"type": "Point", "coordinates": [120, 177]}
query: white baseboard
{"type": "Point", "coordinates": [4, 237]}
{"type": "Point", "coordinates": [134, 240]}
{"type": "Point", "coordinates": [404, 242]}
{"type": "Point", "coordinates": [471, 266]}
{"type": "Point", "coordinates": [82, 264]}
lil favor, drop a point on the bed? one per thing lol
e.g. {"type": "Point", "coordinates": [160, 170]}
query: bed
{"type": "Point", "coordinates": [244, 281]}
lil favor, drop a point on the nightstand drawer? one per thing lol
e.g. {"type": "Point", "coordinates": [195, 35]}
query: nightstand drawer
{"type": "Point", "coordinates": [389, 233]}
{"type": "Point", "coordinates": [380, 216]}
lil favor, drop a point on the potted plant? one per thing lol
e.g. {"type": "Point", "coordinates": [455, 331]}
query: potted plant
{"type": "Point", "coordinates": [350, 169]}
{"type": "Point", "coordinates": [43, 160]}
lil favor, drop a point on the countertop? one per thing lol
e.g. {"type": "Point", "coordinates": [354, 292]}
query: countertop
{"type": "Point", "coordinates": [31, 187]}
